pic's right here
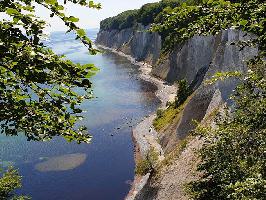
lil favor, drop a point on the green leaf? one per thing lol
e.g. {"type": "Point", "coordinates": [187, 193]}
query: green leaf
{"type": "Point", "coordinates": [90, 74]}
{"type": "Point", "coordinates": [94, 5]}
{"type": "Point", "coordinates": [37, 85]}
{"type": "Point", "coordinates": [81, 32]}
{"type": "Point", "coordinates": [12, 11]}
{"type": "Point", "coordinates": [243, 22]}
{"type": "Point", "coordinates": [73, 19]}
{"type": "Point", "coordinates": [51, 2]}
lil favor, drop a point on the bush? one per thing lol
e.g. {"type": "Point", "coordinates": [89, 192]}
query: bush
{"type": "Point", "coordinates": [9, 182]}
{"type": "Point", "coordinates": [183, 92]}
{"type": "Point", "coordinates": [143, 167]}
{"type": "Point", "coordinates": [159, 113]}
{"type": "Point", "coordinates": [149, 12]}
{"type": "Point", "coordinates": [233, 157]}
{"type": "Point", "coordinates": [148, 164]}
{"type": "Point", "coordinates": [122, 21]}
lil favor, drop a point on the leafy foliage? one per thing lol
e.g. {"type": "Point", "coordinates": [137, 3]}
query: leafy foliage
{"type": "Point", "coordinates": [37, 87]}
{"type": "Point", "coordinates": [143, 167]}
{"type": "Point", "coordinates": [169, 116]}
{"type": "Point", "coordinates": [149, 12]}
{"type": "Point", "coordinates": [210, 17]}
{"type": "Point", "coordinates": [173, 113]}
{"type": "Point", "coordinates": [234, 153]}
{"type": "Point", "coordinates": [166, 117]}
{"type": "Point", "coordinates": [9, 182]}
{"type": "Point", "coordinates": [159, 113]}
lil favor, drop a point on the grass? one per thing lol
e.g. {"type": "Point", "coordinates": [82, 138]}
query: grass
{"type": "Point", "coordinates": [148, 164]}
{"type": "Point", "coordinates": [169, 116]}
{"type": "Point", "coordinates": [143, 167]}
{"type": "Point", "coordinates": [165, 118]}
{"type": "Point", "coordinates": [169, 158]}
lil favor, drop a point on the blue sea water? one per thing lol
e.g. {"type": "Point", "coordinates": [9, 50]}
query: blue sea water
{"type": "Point", "coordinates": [121, 100]}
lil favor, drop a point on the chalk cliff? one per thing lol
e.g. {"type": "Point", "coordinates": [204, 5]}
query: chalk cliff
{"type": "Point", "coordinates": [197, 60]}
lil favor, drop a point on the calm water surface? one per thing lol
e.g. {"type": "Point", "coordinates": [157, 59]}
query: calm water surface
{"type": "Point", "coordinates": [57, 170]}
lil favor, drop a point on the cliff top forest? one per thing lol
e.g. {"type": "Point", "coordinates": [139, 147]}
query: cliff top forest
{"type": "Point", "coordinates": [145, 15]}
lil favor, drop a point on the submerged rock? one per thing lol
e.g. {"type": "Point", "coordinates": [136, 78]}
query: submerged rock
{"type": "Point", "coordinates": [61, 163]}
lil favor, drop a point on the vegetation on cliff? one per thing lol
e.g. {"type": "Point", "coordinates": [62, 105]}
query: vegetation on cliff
{"type": "Point", "coordinates": [173, 113]}
{"type": "Point", "coordinates": [122, 21]}
{"type": "Point", "coordinates": [209, 18]}
{"type": "Point", "coordinates": [147, 164]}
{"type": "Point", "coordinates": [233, 157]}
{"type": "Point", "coordinates": [169, 116]}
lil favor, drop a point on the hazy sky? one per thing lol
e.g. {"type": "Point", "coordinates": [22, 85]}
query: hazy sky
{"type": "Point", "coordinates": [90, 18]}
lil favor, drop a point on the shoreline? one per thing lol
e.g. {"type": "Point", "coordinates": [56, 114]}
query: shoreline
{"type": "Point", "coordinates": [144, 136]}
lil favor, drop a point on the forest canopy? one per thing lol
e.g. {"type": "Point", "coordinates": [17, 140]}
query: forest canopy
{"type": "Point", "coordinates": [145, 15]}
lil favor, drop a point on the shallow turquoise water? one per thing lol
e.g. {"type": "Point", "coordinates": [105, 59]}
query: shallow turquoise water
{"type": "Point", "coordinates": [103, 169]}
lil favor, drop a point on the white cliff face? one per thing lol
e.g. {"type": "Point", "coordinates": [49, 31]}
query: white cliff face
{"type": "Point", "coordinates": [198, 55]}
{"type": "Point", "coordinates": [196, 60]}
{"type": "Point", "coordinates": [138, 42]}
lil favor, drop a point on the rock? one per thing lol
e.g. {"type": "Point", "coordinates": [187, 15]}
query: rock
{"type": "Point", "coordinates": [61, 163]}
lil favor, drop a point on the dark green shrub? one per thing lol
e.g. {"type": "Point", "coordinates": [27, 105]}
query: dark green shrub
{"type": "Point", "coordinates": [122, 21]}
{"type": "Point", "coordinates": [143, 167]}
{"type": "Point", "coordinates": [149, 12]}
{"type": "Point", "coordinates": [148, 164]}
{"type": "Point", "coordinates": [233, 157]}
{"type": "Point", "coordinates": [159, 113]}
{"type": "Point", "coordinates": [10, 180]}
{"type": "Point", "coordinates": [183, 92]}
